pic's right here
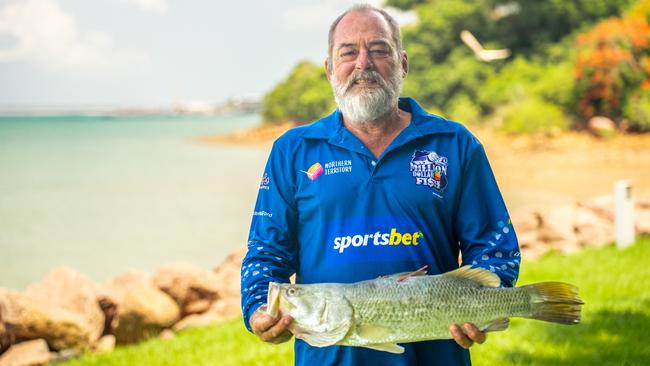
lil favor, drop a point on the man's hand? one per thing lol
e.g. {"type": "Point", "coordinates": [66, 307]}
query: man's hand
{"type": "Point", "coordinates": [468, 335]}
{"type": "Point", "coordinates": [269, 329]}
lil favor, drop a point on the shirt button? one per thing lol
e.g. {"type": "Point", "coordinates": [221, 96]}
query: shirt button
{"type": "Point", "coordinates": [373, 163]}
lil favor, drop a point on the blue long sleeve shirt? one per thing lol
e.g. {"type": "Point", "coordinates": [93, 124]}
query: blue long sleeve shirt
{"type": "Point", "coordinates": [329, 211]}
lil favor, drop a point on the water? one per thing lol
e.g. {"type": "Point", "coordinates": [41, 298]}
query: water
{"type": "Point", "coordinates": [108, 194]}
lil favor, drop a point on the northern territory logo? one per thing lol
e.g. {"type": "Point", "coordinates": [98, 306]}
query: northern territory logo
{"type": "Point", "coordinates": [314, 171]}
{"type": "Point", "coordinates": [429, 169]}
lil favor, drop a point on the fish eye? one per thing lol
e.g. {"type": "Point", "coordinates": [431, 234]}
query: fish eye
{"type": "Point", "coordinates": [291, 291]}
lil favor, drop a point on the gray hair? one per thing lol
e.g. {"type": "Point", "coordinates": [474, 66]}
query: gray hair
{"type": "Point", "coordinates": [392, 23]}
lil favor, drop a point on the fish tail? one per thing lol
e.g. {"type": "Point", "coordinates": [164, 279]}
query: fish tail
{"type": "Point", "coordinates": [555, 302]}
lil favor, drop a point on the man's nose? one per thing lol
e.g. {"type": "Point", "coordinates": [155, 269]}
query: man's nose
{"type": "Point", "coordinates": [364, 62]}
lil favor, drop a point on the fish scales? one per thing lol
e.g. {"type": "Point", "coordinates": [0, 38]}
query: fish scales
{"type": "Point", "coordinates": [422, 308]}
{"type": "Point", "coordinates": [400, 308]}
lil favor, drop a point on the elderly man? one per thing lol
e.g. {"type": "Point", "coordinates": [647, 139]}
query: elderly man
{"type": "Point", "coordinates": [381, 169]}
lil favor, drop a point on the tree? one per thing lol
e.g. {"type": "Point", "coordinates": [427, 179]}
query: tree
{"type": "Point", "coordinates": [303, 97]}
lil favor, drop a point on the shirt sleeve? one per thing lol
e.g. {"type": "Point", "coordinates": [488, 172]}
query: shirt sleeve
{"type": "Point", "coordinates": [272, 247]}
{"type": "Point", "coordinates": [486, 235]}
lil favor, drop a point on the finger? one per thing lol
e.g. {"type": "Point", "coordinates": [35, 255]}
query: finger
{"type": "Point", "coordinates": [474, 334]}
{"type": "Point", "coordinates": [459, 336]}
{"type": "Point", "coordinates": [278, 329]}
{"type": "Point", "coordinates": [260, 322]}
{"type": "Point", "coordinates": [283, 337]}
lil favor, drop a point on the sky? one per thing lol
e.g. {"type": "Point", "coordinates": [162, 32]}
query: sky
{"type": "Point", "coordinates": [155, 53]}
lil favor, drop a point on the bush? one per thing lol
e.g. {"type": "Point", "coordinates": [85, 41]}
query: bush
{"type": "Point", "coordinates": [464, 110]}
{"type": "Point", "coordinates": [303, 97]}
{"type": "Point", "coordinates": [612, 62]}
{"type": "Point", "coordinates": [532, 115]}
{"type": "Point", "coordinates": [637, 111]}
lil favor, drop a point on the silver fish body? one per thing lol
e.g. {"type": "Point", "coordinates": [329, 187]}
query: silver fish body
{"type": "Point", "coordinates": [385, 311]}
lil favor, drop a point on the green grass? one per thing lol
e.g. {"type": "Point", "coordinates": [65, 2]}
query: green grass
{"type": "Point", "coordinates": [614, 330]}
{"type": "Point", "coordinates": [614, 284]}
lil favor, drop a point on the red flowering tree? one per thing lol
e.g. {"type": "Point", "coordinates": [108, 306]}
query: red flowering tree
{"type": "Point", "coordinates": [613, 64]}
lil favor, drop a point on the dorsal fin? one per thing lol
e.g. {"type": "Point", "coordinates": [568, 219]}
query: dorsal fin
{"type": "Point", "coordinates": [480, 275]}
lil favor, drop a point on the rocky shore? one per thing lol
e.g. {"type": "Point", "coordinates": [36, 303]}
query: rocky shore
{"type": "Point", "coordinates": [66, 313]}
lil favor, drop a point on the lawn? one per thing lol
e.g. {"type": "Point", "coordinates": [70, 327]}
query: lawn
{"type": "Point", "coordinates": [614, 330]}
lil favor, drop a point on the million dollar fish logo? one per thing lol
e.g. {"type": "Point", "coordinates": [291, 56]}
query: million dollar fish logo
{"type": "Point", "coordinates": [314, 171]}
{"type": "Point", "coordinates": [429, 169]}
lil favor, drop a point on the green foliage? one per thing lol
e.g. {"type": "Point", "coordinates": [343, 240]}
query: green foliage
{"type": "Point", "coordinates": [615, 319]}
{"type": "Point", "coordinates": [541, 22]}
{"type": "Point", "coordinates": [532, 115]}
{"type": "Point", "coordinates": [549, 81]}
{"type": "Point", "coordinates": [403, 4]}
{"type": "Point", "coordinates": [637, 111]}
{"type": "Point", "coordinates": [462, 108]}
{"type": "Point", "coordinates": [444, 74]}
{"type": "Point", "coordinates": [303, 97]}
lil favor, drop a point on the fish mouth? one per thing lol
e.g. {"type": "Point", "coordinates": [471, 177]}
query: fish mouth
{"type": "Point", "coordinates": [273, 299]}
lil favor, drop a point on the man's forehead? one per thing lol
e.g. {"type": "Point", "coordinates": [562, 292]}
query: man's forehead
{"type": "Point", "coordinates": [366, 24]}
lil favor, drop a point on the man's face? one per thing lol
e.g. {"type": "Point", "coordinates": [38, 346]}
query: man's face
{"type": "Point", "coordinates": [366, 70]}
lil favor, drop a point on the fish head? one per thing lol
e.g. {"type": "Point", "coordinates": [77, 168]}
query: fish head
{"type": "Point", "coordinates": [321, 314]}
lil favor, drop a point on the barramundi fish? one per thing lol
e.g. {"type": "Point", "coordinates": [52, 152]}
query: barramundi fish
{"type": "Point", "coordinates": [412, 307]}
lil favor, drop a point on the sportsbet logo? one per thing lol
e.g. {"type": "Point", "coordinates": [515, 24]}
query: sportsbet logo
{"type": "Point", "coordinates": [341, 243]}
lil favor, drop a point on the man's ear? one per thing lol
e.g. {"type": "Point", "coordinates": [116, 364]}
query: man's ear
{"type": "Point", "coordinates": [328, 68]}
{"type": "Point", "coordinates": [405, 64]}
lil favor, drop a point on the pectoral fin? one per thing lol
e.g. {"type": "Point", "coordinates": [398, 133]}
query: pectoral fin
{"type": "Point", "coordinates": [386, 347]}
{"type": "Point", "coordinates": [373, 332]}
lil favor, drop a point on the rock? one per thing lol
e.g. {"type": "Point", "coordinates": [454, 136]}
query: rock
{"type": "Point", "coordinates": [525, 221]}
{"type": "Point", "coordinates": [571, 227]}
{"type": "Point", "coordinates": [220, 311]}
{"type": "Point", "coordinates": [121, 284]}
{"type": "Point", "coordinates": [68, 289]}
{"type": "Point", "coordinates": [193, 288]}
{"type": "Point", "coordinates": [29, 353]}
{"type": "Point", "coordinates": [602, 206]}
{"type": "Point", "coordinates": [6, 338]}
{"type": "Point", "coordinates": [167, 334]}
{"type": "Point", "coordinates": [601, 126]}
{"type": "Point", "coordinates": [64, 355]}
{"type": "Point", "coordinates": [533, 251]}
{"type": "Point", "coordinates": [557, 229]}
{"type": "Point", "coordinates": [642, 220]}
{"type": "Point", "coordinates": [28, 318]}
{"type": "Point", "coordinates": [105, 344]}
{"type": "Point", "coordinates": [228, 274]}
{"type": "Point", "coordinates": [143, 313]}
{"type": "Point", "coordinates": [591, 229]}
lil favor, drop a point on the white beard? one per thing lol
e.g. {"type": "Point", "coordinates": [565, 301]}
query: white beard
{"type": "Point", "coordinates": [371, 104]}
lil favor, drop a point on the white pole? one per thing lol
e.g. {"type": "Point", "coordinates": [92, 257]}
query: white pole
{"type": "Point", "coordinates": [624, 213]}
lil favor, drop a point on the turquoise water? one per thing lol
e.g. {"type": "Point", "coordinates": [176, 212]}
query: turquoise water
{"type": "Point", "coordinates": [108, 194]}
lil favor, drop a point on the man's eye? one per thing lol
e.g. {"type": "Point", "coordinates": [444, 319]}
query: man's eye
{"type": "Point", "coordinates": [348, 53]}
{"type": "Point", "coordinates": [379, 52]}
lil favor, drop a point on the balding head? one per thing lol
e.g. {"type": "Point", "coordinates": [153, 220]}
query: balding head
{"type": "Point", "coordinates": [392, 24]}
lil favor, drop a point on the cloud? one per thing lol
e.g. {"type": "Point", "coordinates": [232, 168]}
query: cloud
{"type": "Point", "coordinates": [153, 6]}
{"type": "Point", "coordinates": [42, 33]}
{"type": "Point", "coordinates": [319, 16]}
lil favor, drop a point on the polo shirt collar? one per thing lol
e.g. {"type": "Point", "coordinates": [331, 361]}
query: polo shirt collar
{"type": "Point", "coordinates": [422, 123]}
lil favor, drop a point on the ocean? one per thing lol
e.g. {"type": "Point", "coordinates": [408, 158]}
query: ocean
{"type": "Point", "coordinates": [107, 194]}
